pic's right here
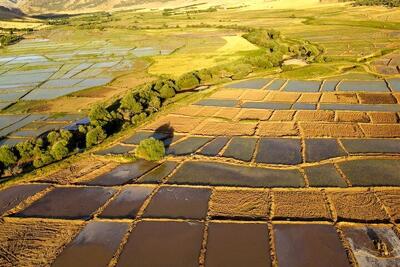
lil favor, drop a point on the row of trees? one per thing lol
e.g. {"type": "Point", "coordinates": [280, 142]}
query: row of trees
{"type": "Point", "coordinates": [388, 3]}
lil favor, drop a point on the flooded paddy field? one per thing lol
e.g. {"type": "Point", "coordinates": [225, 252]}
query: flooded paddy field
{"type": "Point", "coordinates": [40, 69]}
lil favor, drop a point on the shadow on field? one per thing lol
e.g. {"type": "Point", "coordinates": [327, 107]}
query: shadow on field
{"type": "Point", "coordinates": [164, 133]}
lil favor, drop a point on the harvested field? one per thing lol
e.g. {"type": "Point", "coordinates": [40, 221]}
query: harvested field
{"type": "Point", "coordinates": [233, 203]}
{"type": "Point", "coordinates": [276, 129]}
{"type": "Point", "coordinates": [179, 124]}
{"type": "Point", "coordinates": [330, 130]}
{"type": "Point", "coordinates": [254, 114]}
{"type": "Point", "coordinates": [219, 128]}
{"type": "Point", "coordinates": [34, 242]}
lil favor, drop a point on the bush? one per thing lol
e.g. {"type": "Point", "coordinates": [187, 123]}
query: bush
{"type": "Point", "coordinates": [43, 159]}
{"type": "Point", "coordinates": [204, 75]}
{"type": "Point", "coordinates": [167, 91]}
{"type": "Point", "coordinates": [59, 150]}
{"type": "Point", "coordinates": [7, 156]}
{"type": "Point", "coordinates": [99, 115]}
{"type": "Point", "coordinates": [129, 102]}
{"type": "Point", "coordinates": [154, 105]}
{"type": "Point", "coordinates": [150, 149]}
{"type": "Point", "coordinates": [26, 150]}
{"type": "Point", "coordinates": [188, 81]}
{"type": "Point", "coordinates": [95, 136]}
{"type": "Point", "coordinates": [138, 118]}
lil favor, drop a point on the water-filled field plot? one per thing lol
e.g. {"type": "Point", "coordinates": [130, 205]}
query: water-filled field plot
{"type": "Point", "coordinates": [15, 129]}
{"type": "Point", "coordinates": [58, 69]}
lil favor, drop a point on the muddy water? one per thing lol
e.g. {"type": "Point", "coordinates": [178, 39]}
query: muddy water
{"type": "Point", "coordinates": [303, 86]}
{"type": "Point", "coordinates": [212, 173]}
{"type": "Point", "coordinates": [123, 174]}
{"type": "Point", "coordinates": [178, 202]}
{"type": "Point", "coordinates": [12, 196]}
{"type": "Point", "coordinates": [69, 203]}
{"type": "Point", "coordinates": [234, 244]}
{"type": "Point", "coordinates": [308, 245]}
{"type": "Point", "coordinates": [250, 84]}
{"type": "Point", "coordinates": [127, 203]}
{"type": "Point", "coordinates": [367, 172]}
{"type": "Point", "coordinates": [94, 246]}
{"type": "Point", "coordinates": [154, 244]}
{"type": "Point", "coordinates": [324, 176]}
{"type": "Point", "coordinates": [373, 245]}
{"type": "Point", "coordinates": [321, 149]}
{"type": "Point", "coordinates": [241, 148]}
{"type": "Point", "coordinates": [279, 151]}
{"type": "Point", "coordinates": [214, 147]}
{"type": "Point", "coordinates": [188, 146]}
{"type": "Point", "coordinates": [158, 174]}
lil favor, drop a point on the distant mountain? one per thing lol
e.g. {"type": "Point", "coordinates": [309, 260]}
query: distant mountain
{"type": "Point", "coordinates": [10, 12]}
{"type": "Point", "coordinates": [78, 6]}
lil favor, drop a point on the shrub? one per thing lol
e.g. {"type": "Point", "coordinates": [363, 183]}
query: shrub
{"type": "Point", "coordinates": [138, 118]}
{"type": "Point", "coordinates": [53, 136]}
{"type": "Point", "coordinates": [59, 150]}
{"type": "Point", "coordinates": [188, 81]}
{"type": "Point", "coordinates": [44, 158]}
{"type": "Point", "coordinates": [167, 91]}
{"type": "Point", "coordinates": [26, 150]}
{"type": "Point", "coordinates": [150, 149]}
{"type": "Point", "coordinates": [204, 75]}
{"type": "Point", "coordinates": [129, 102]}
{"type": "Point", "coordinates": [154, 105]}
{"type": "Point", "coordinates": [99, 115]}
{"type": "Point", "coordinates": [95, 136]}
{"type": "Point", "coordinates": [7, 156]}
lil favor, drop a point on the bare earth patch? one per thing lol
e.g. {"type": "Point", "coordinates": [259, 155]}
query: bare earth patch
{"type": "Point", "coordinates": [351, 116]}
{"type": "Point", "coordinates": [254, 114]}
{"type": "Point", "coordinates": [381, 130]}
{"type": "Point", "coordinates": [383, 117]}
{"type": "Point", "coordinates": [282, 97]}
{"type": "Point", "coordinates": [228, 94]}
{"type": "Point", "coordinates": [330, 130]}
{"type": "Point", "coordinates": [178, 123]}
{"type": "Point", "coordinates": [33, 242]}
{"type": "Point", "coordinates": [254, 95]}
{"type": "Point", "coordinates": [239, 203]}
{"type": "Point", "coordinates": [225, 128]}
{"type": "Point", "coordinates": [277, 129]}
{"type": "Point", "coordinates": [300, 204]}
{"type": "Point", "coordinates": [315, 115]}
{"type": "Point", "coordinates": [282, 115]}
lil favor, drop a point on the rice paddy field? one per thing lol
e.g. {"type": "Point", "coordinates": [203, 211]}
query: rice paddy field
{"type": "Point", "coordinates": [294, 166]}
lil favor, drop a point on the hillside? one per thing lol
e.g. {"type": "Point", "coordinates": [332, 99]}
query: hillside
{"type": "Point", "coordinates": [75, 6]}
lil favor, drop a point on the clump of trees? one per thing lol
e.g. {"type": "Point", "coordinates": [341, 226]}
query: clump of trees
{"type": "Point", "coordinates": [9, 39]}
{"type": "Point", "coordinates": [150, 149]}
{"type": "Point", "coordinates": [388, 3]}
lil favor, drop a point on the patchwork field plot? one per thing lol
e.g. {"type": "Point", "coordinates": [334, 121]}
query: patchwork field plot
{"type": "Point", "coordinates": [74, 67]}
{"type": "Point", "coordinates": [15, 129]}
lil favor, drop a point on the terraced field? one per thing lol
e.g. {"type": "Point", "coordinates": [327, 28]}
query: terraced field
{"type": "Point", "coordinates": [263, 171]}
{"type": "Point", "coordinates": [297, 165]}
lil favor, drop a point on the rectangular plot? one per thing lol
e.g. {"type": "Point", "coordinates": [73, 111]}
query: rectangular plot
{"type": "Point", "coordinates": [25, 78]}
{"type": "Point", "coordinates": [95, 245]}
{"type": "Point", "coordinates": [358, 86]}
{"type": "Point", "coordinates": [276, 84]}
{"type": "Point", "coordinates": [12, 96]}
{"type": "Point", "coordinates": [68, 203]}
{"type": "Point", "coordinates": [212, 173]}
{"type": "Point", "coordinates": [159, 173]}
{"type": "Point", "coordinates": [267, 105]}
{"type": "Point", "coordinates": [145, 52]}
{"type": "Point", "coordinates": [116, 150]}
{"type": "Point", "coordinates": [25, 121]}
{"type": "Point", "coordinates": [12, 196]}
{"type": "Point", "coordinates": [324, 175]}
{"type": "Point", "coordinates": [45, 94]}
{"type": "Point", "coordinates": [7, 120]}
{"type": "Point", "coordinates": [303, 86]}
{"type": "Point", "coordinates": [279, 151]}
{"type": "Point", "coordinates": [60, 83]}
{"type": "Point", "coordinates": [237, 244]}
{"type": "Point", "coordinates": [123, 174]}
{"type": "Point", "coordinates": [241, 148]}
{"type": "Point", "coordinates": [127, 203]}
{"type": "Point", "coordinates": [304, 106]}
{"type": "Point", "coordinates": [179, 202]}
{"type": "Point", "coordinates": [361, 107]}
{"type": "Point", "coordinates": [364, 241]}
{"type": "Point", "coordinates": [188, 146]}
{"type": "Point", "coordinates": [329, 86]}
{"type": "Point", "coordinates": [218, 103]}
{"type": "Point", "coordinates": [250, 84]}
{"type": "Point", "coordinates": [175, 244]}
{"type": "Point", "coordinates": [12, 141]}
{"type": "Point", "coordinates": [394, 84]}
{"type": "Point", "coordinates": [354, 146]}
{"type": "Point", "coordinates": [4, 105]}
{"type": "Point", "coordinates": [308, 245]}
{"type": "Point", "coordinates": [372, 172]}
{"type": "Point", "coordinates": [214, 147]}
